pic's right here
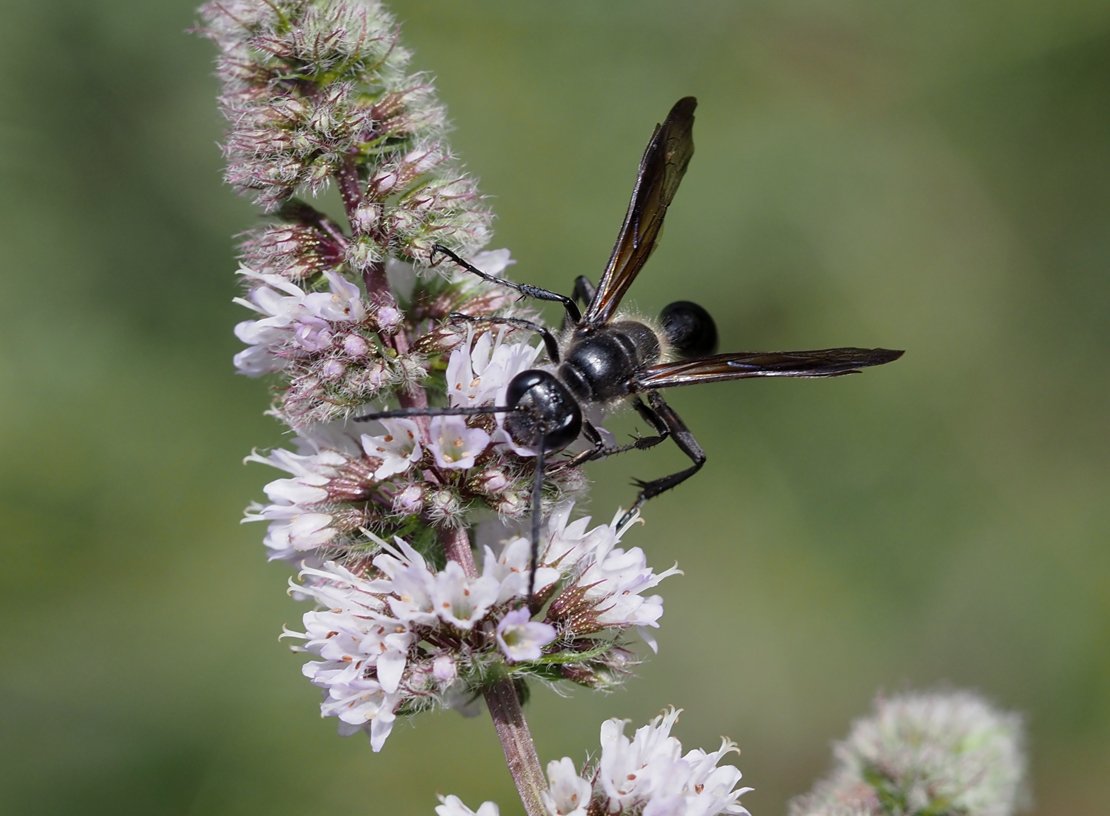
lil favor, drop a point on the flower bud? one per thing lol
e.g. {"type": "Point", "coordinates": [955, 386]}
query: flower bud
{"type": "Point", "coordinates": [410, 500]}
{"type": "Point", "coordinates": [490, 482]}
{"type": "Point", "coordinates": [332, 369]}
{"type": "Point", "coordinates": [366, 218]}
{"type": "Point", "coordinates": [445, 507]}
{"type": "Point", "coordinates": [355, 346]}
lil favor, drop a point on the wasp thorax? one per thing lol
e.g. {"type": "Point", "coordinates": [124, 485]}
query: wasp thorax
{"type": "Point", "coordinates": [544, 412]}
{"type": "Point", "coordinates": [689, 329]}
{"type": "Point", "coordinates": [599, 365]}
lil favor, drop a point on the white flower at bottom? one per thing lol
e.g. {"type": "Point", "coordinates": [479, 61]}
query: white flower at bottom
{"type": "Point", "coordinates": [521, 638]}
{"type": "Point", "coordinates": [606, 585]}
{"type": "Point", "coordinates": [568, 794]}
{"type": "Point", "coordinates": [647, 775]}
{"type": "Point", "coordinates": [363, 649]}
{"type": "Point", "coordinates": [649, 772]}
{"type": "Point", "coordinates": [453, 806]}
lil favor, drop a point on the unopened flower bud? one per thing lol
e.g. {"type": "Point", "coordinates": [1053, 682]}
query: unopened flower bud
{"type": "Point", "coordinates": [355, 346]}
{"type": "Point", "coordinates": [490, 482]}
{"type": "Point", "coordinates": [385, 182]}
{"type": "Point", "coordinates": [410, 500]}
{"type": "Point", "coordinates": [444, 669]}
{"type": "Point", "coordinates": [365, 218]}
{"type": "Point", "coordinates": [444, 507]}
{"type": "Point", "coordinates": [363, 252]}
{"type": "Point", "coordinates": [389, 318]}
{"type": "Point", "coordinates": [510, 504]}
{"type": "Point", "coordinates": [332, 369]}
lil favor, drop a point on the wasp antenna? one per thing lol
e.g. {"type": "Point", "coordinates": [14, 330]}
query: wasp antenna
{"type": "Point", "coordinates": [537, 518]}
{"type": "Point", "coordinates": [462, 410]}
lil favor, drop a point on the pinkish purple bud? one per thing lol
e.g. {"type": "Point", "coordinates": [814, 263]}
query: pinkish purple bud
{"type": "Point", "coordinates": [444, 669]}
{"type": "Point", "coordinates": [409, 501]}
{"type": "Point", "coordinates": [384, 183]}
{"type": "Point", "coordinates": [332, 369]}
{"type": "Point", "coordinates": [376, 376]}
{"type": "Point", "coordinates": [355, 346]}
{"type": "Point", "coordinates": [366, 217]}
{"type": "Point", "coordinates": [389, 318]}
{"type": "Point", "coordinates": [422, 161]}
{"type": "Point", "coordinates": [490, 482]}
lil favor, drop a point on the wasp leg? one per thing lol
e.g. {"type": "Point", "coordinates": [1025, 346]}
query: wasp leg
{"type": "Point", "coordinates": [584, 290]}
{"type": "Point", "coordinates": [583, 294]}
{"type": "Point", "coordinates": [600, 451]}
{"type": "Point", "coordinates": [676, 429]}
{"type": "Point", "coordinates": [573, 313]}
{"type": "Point", "coordinates": [537, 520]}
{"type": "Point", "coordinates": [549, 341]}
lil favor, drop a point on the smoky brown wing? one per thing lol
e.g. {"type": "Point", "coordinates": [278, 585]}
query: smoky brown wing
{"type": "Point", "coordinates": [661, 169]}
{"type": "Point", "coordinates": [744, 364]}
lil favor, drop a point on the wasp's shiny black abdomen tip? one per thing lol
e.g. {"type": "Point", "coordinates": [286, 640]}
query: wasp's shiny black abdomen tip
{"type": "Point", "coordinates": [689, 328]}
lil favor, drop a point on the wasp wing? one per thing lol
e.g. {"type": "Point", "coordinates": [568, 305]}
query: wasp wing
{"type": "Point", "coordinates": [661, 169]}
{"type": "Point", "coordinates": [744, 364]}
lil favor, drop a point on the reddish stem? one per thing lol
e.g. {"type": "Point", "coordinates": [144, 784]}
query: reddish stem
{"type": "Point", "coordinates": [504, 704]}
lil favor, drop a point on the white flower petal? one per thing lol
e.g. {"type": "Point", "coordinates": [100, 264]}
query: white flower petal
{"type": "Point", "coordinates": [521, 638]}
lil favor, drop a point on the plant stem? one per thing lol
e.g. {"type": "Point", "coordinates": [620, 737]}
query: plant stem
{"type": "Point", "coordinates": [501, 695]}
{"type": "Point", "coordinates": [504, 705]}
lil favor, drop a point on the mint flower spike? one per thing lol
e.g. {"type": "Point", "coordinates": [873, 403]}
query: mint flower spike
{"type": "Point", "coordinates": [319, 92]}
{"type": "Point", "coordinates": [345, 317]}
{"type": "Point", "coordinates": [925, 753]}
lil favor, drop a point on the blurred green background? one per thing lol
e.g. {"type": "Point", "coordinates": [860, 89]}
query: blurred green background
{"type": "Point", "coordinates": [927, 176]}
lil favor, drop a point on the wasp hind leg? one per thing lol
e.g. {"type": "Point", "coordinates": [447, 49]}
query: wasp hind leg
{"type": "Point", "coordinates": [669, 425]}
{"type": "Point", "coordinates": [601, 451]}
{"type": "Point", "coordinates": [584, 290]}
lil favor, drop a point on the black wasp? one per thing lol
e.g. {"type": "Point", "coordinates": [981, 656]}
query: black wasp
{"type": "Point", "coordinates": [601, 358]}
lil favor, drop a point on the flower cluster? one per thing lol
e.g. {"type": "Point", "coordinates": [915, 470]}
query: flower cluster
{"type": "Point", "coordinates": [317, 91]}
{"type": "Point", "coordinates": [395, 635]}
{"type": "Point", "coordinates": [347, 317]}
{"type": "Point", "coordinates": [342, 481]}
{"type": "Point", "coordinates": [337, 349]}
{"type": "Point", "coordinates": [924, 753]}
{"type": "Point", "coordinates": [645, 774]}
{"type": "Point", "coordinates": [350, 317]}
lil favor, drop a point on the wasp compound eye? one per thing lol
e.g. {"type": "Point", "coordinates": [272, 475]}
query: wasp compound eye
{"type": "Point", "coordinates": [689, 328]}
